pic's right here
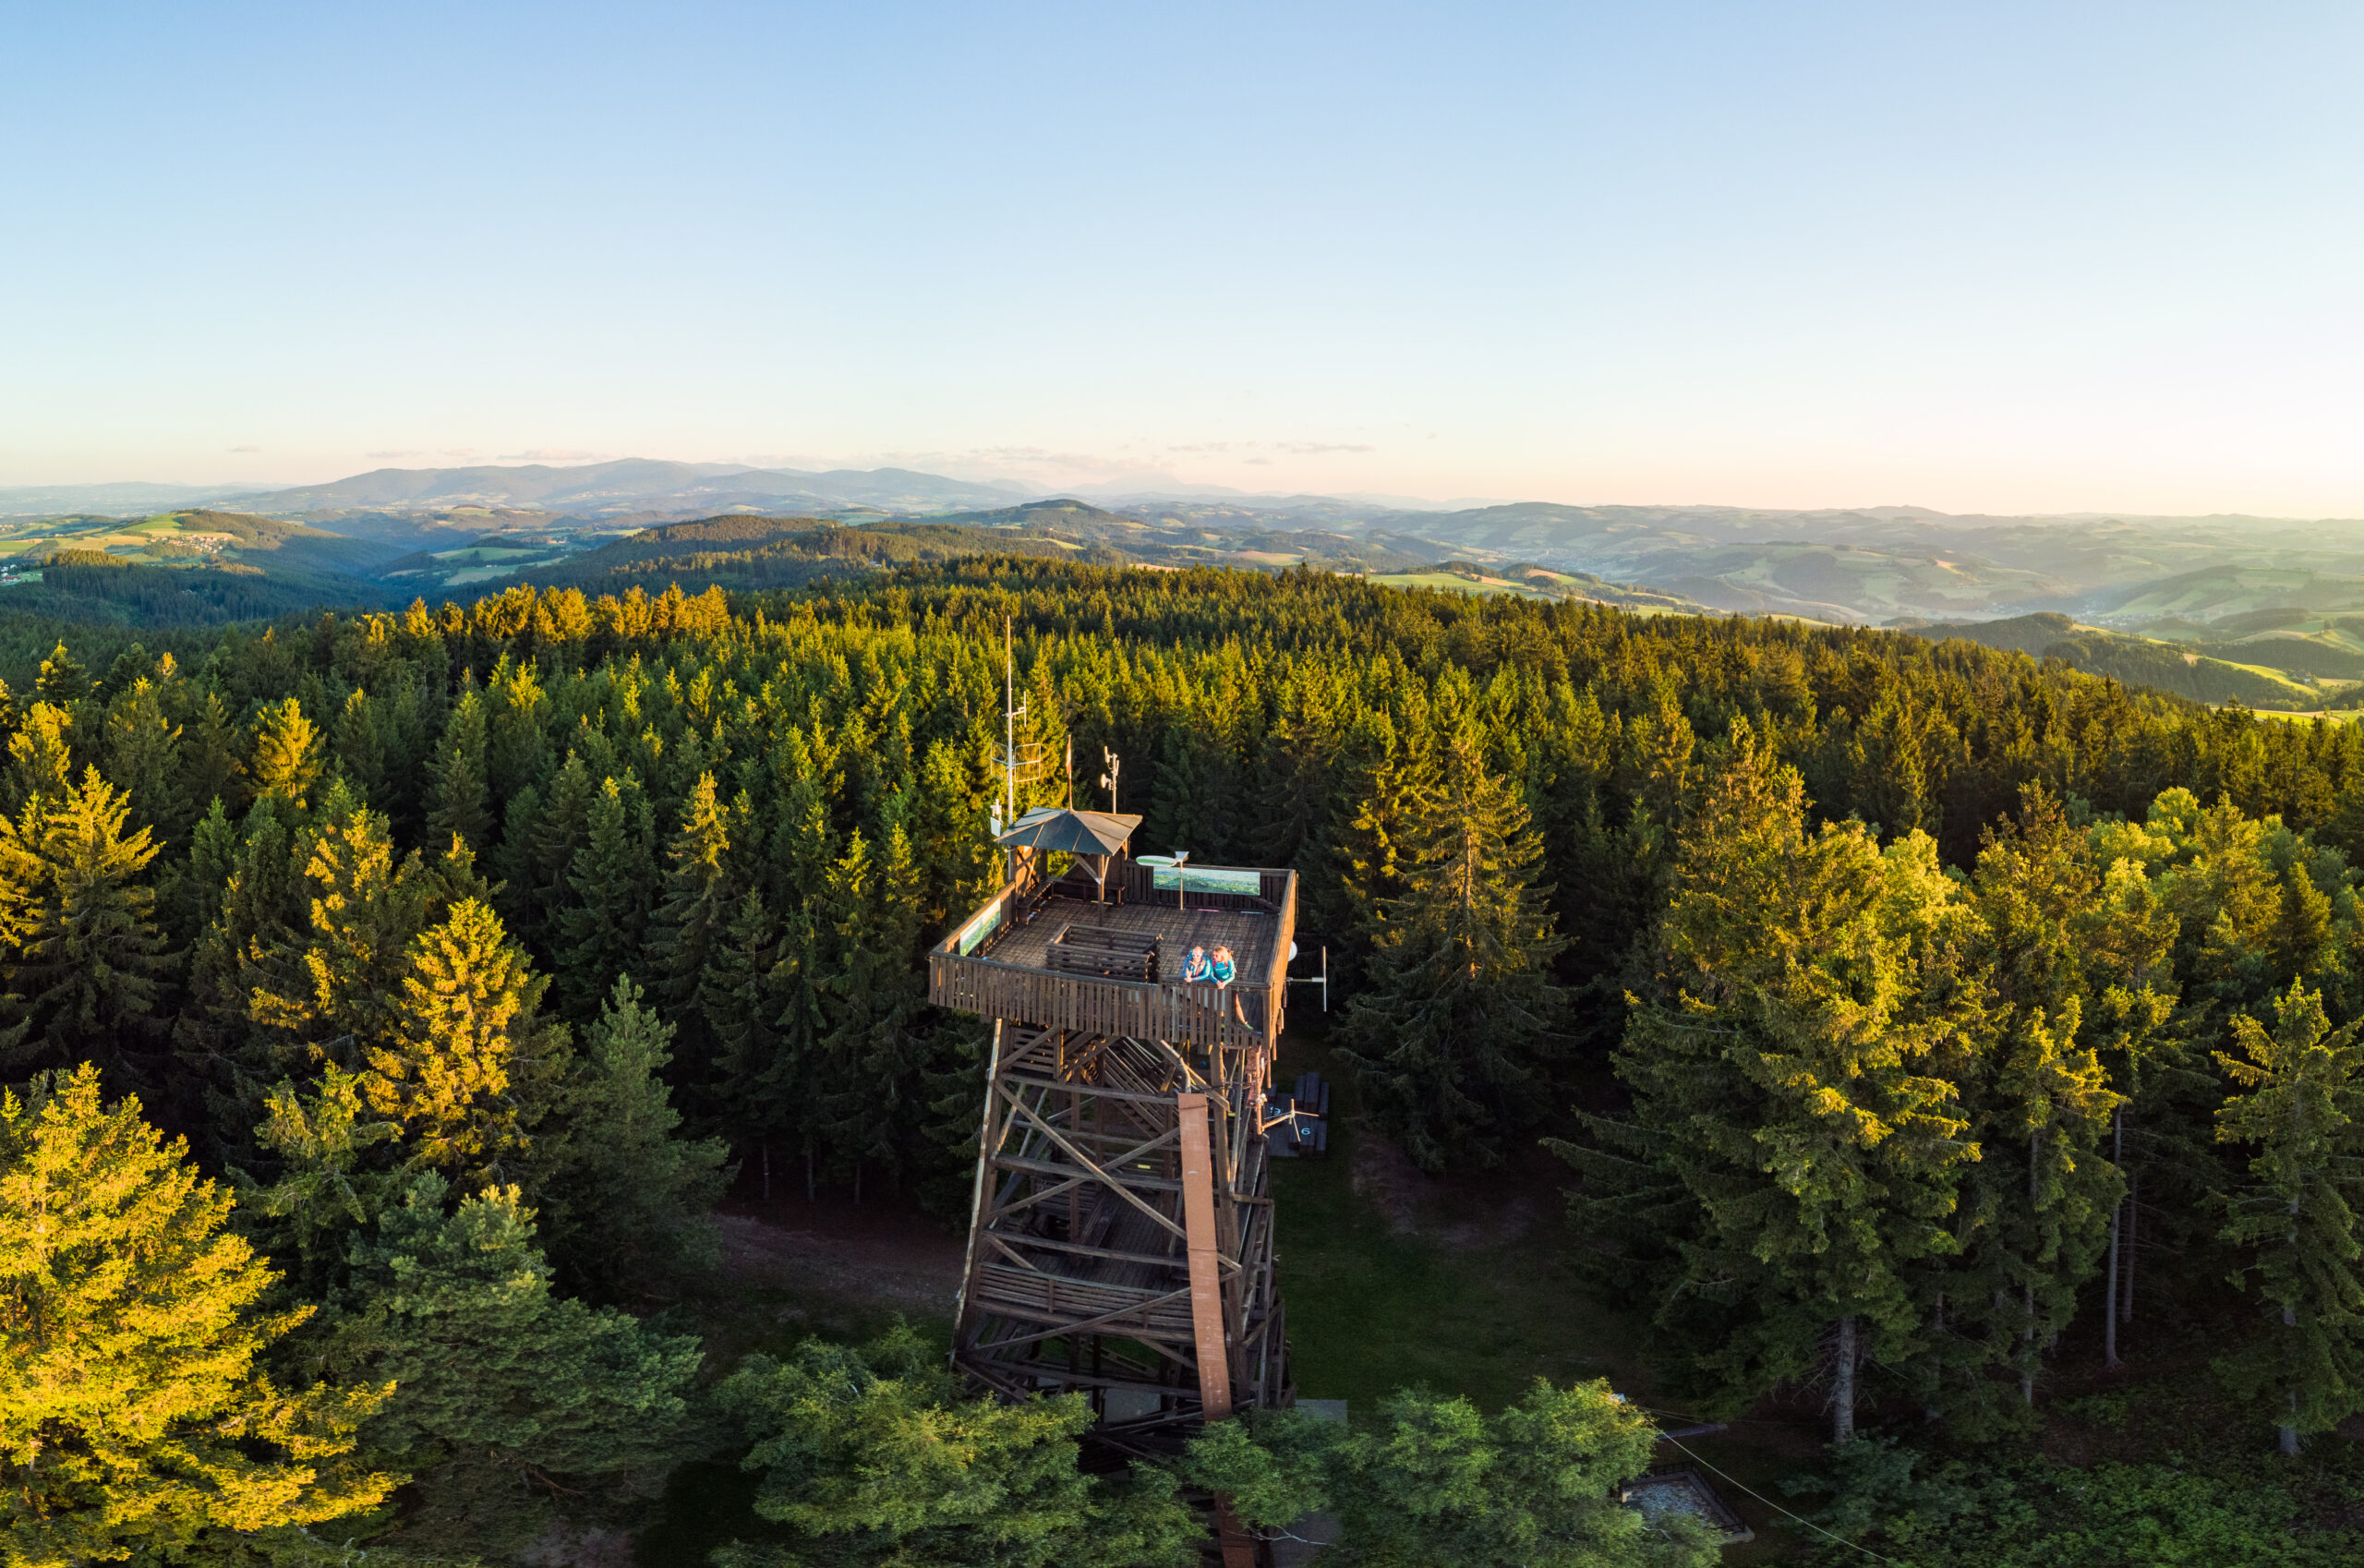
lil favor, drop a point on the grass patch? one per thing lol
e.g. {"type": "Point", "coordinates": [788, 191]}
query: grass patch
{"type": "Point", "coordinates": [1464, 1288]}
{"type": "Point", "coordinates": [1454, 583]}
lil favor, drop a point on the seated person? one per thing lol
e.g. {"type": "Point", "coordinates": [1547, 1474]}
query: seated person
{"type": "Point", "coordinates": [1226, 970]}
{"type": "Point", "coordinates": [1197, 968]}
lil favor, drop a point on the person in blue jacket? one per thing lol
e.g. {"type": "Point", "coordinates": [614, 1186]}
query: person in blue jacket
{"type": "Point", "coordinates": [1226, 970]}
{"type": "Point", "coordinates": [1196, 969]}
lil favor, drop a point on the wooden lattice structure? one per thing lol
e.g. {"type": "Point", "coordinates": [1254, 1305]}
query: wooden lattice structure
{"type": "Point", "coordinates": [1122, 1237]}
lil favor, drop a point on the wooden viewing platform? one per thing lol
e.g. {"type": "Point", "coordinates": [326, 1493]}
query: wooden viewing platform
{"type": "Point", "coordinates": [999, 964]}
{"type": "Point", "coordinates": [1121, 1242]}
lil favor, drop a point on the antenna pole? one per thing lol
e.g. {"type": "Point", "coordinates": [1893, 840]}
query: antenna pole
{"type": "Point", "coordinates": [1009, 722]}
{"type": "Point", "coordinates": [1010, 733]}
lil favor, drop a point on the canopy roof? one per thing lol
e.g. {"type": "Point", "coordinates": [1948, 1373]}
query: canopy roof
{"type": "Point", "coordinates": [1071, 831]}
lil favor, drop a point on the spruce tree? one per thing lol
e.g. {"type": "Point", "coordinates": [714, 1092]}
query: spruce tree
{"type": "Point", "coordinates": [603, 935]}
{"type": "Point", "coordinates": [79, 941]}
{"type": "Point", "coordinates": [700, 897]}
{"type": "Point", "coordinates": [871, 999]}
{"type": "Point", "coordinates": [61, 682]}
{"type": "Point", "coordinates": [1448, 1038]}
{"type": "Point", "coordinates": [209, 769]}
{"type": "Point", "coordinates": [468, 1065]}
{"type": "Point", "coordinates": [2296, 1219]}
{"type": "Point", "coordinates": [627, 1208]}
{"type": "Point", "coordinates": [335, 988]}
{"type": "Point", "coordinates": [143, 759]}
{"type": "Point", "coordinates": [1791, 1162]}
{"type": "Point", "coordinates": [41, 759]}
{"type": "Point", "coordinates": [872, 1456]}
{"type": "Point", "coordinates": [2035, 1207]}
{"type": "Point", "coordinates": [137, 1418]}
{"type": "Point", "coordinates": [740, 998]}
{"type": "Point", "coordinates": [359, 748]}
{"type": "Point", "coordinates": [1434, 1480]}
{"type": "Point", "coordinates": [459, 796]}
{"type": "Point", "coordinates": [287, 753]}
{"type": "Point", "coordinates": [536, 852]}
{"type": "Point", "coordinates": [495, 1378]}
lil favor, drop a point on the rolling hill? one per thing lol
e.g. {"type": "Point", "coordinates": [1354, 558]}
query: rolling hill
{"type": "Point", "coordinates": [2137, 661]}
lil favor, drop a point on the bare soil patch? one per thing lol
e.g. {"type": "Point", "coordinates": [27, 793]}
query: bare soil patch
{"type": "Point", "coordinates": [883, 1256]}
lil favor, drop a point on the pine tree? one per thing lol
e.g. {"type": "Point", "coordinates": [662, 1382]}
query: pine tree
{"type": "Point", "coordinates": [287, 753]}
{"type": "Point", "coordinates": [78, 941]}
{"type": "Point", "coordinates": [627, 1208]}
{"type": "Point", "coordinates": [2296, 1218]}
{"type": "Point", "coordinates": [136, 1414]}
{"type": "Point", "coordinates": [1447, 1040]}
{"type": "Point", "coordinates": [602, 935]}
{"type": "Point", "coordinates": [458, 790]}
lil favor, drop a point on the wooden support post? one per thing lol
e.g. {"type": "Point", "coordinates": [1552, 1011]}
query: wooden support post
{"type": "Point", "coordinates": [1207, 1315]}
{"type": "Point", "coordinates": [1206, 1271]}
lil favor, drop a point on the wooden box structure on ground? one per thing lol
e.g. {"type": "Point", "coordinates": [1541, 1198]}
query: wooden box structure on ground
{"type": "Point", "coordinates": [1122, 1238]}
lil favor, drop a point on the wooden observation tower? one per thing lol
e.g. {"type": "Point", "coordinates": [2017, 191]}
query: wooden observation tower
{"type": "Point", "coordinates": [1121, 1242]}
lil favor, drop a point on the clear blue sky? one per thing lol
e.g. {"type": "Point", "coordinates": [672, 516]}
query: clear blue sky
{"type": "Point", "coordinates": [1976, 257]}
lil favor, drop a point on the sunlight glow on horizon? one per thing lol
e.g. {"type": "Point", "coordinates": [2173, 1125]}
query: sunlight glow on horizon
{"type": "Point", "coordinates": [2026, 259]}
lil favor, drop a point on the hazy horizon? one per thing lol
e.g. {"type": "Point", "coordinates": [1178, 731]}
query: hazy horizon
{"type": "Point", "coordinates": [2017, 261]}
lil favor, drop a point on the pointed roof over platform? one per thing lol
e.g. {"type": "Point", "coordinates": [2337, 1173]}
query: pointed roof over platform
{"type": "Point", "coordinates": [1073, 832]}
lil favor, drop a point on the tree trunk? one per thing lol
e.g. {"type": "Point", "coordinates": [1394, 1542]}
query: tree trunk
{"type": "Point", "coordinates": [2116, 1215]}
{"type": "Point", "coordinates": [2133, 1235]}
{"type": "Point", "coordinates": [768, 1171]}
{"type": "Point", "coordinates": [2027, 1348]}
{"type": "Point", "coordinates": [1842, 1385]}
{"type": "Point", "coordinates": [1929, 1411]}
{"type": "Point", "coordinates": [809, 1196]}
{"type": "Point", "coordinates": [2290, 1431]}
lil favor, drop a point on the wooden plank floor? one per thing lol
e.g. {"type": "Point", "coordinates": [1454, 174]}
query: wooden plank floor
{"type": "Point", "coordinates": [1247, 933]}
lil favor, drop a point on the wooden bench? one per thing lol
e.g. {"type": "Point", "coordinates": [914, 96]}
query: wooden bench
{"type": "Point", "coordinates": [1104, 951]}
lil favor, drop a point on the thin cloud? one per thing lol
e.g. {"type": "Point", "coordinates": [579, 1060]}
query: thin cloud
{"type": "Point", "coordinates": [458, 451]}
{"type": "Point", "coordinates": [1316, 449]}
{"type": "Point", "coordinates": [381, 456]}
{"type": "Point", "coordinates": [245, 449]}
{"type": "Point", "coordinates": [550, 455]}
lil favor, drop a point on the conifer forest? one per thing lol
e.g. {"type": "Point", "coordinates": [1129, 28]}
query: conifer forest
{"type": "Point", "coordinates": [1945, 1065]}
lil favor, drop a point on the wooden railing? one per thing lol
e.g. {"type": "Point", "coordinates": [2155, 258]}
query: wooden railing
{"type": "Point", "coordinates": [1196, 1015]}
{"type": "Point", "coordinates": [963, 976]}
{"type": "Point", "coordinates": [1138, 884]}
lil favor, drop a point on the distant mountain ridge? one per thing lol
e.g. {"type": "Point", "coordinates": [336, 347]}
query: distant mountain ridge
{"type": "Point", "coordinates": [635, 484]}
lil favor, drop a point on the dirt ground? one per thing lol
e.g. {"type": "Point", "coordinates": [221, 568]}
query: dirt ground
{"type": "Point", "coordinates": [882, 1256]}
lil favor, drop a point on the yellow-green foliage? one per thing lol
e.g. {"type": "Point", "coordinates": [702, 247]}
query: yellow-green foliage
{"type": "Point", "coordinates": [134, 1413]}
